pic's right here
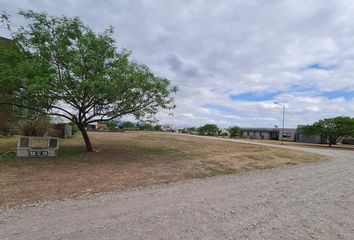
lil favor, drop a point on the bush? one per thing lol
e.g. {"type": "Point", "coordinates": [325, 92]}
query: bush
{"type": "Point", "coordinates": [127, 125]}
{"type": "Point", "coordinates": [234, 132]}
{"type": "Point", "coordinates": [145, 127]}
{"type": "Point", "coordinates": [74, 128]}
{"type": "Point", "coordinates": [157, 128]}
{"type": "Point", "coordinates": [112, 125]}
{"type": "Point", "coordinates": [348, 141]}
{"type": "Point", "coordinates": [37, 127]}
{"type": "Point", "coordinates": [209, 130]}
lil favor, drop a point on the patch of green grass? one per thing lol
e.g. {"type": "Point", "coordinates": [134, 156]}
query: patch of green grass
{"type": "Point", "coordinates": [5, 147]}
{"type": "Point", "coordinates": [7, 158]}
{"type": "Point", "coordinates": [68, 151]}
{"type": "Point", "coordinates": [5, 137]}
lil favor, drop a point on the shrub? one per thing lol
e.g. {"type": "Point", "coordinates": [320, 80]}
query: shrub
{"type": "Point", "coordinates": [348, 141]}
{"type": "Point", "coordinates": [74, 128]}
{"type": "Point", "coordinates": [37, 127]}
{"type": "Point", "coordinates": [112, 125]}
{"type": "Point", "coordinates": [209, 130]}
{"type": "Point", "coordinates": [234, 132]}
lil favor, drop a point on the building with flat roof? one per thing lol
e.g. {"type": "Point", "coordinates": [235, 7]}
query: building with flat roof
{"type": "Point", "coordinates": [289, 134]}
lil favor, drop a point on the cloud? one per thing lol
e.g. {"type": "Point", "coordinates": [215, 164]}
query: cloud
{"type": "Point", "coordinates": [299, 53]}
{"type": "Point", "coordinates": [181, 68]}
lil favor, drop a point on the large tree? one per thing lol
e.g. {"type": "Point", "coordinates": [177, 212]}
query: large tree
{"type": "Point", "coordinates": [10, 58]}
{"type": "Point", "coordinates": [209, 130]}
{"type": "Point", "coordinates": [332, 129]}
{"type": "Point", "coordinates": [234, 131]}
{"type": "Point", "coordinates": [72, 72]}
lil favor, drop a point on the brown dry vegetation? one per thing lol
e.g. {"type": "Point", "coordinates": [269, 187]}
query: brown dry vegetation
{"type": "Point", "coordinates": [127, 160]}
{"type": "Point", "coordinates": [275, 142]}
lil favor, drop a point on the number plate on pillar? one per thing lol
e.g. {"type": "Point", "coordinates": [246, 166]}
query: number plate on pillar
{"type": "Point", "coordinates": [38, 153]}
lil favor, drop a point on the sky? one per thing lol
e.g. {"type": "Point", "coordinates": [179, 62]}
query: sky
{"type": "Point", "coordinates": [232, 59]}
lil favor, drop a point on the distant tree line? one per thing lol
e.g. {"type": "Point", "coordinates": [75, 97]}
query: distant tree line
{"type": "Point", "coordinates": [214, 130]}
{"type": "Point", "coordinates": [331, 130]}
{"type": "Point", "coordinates": [131, 126]}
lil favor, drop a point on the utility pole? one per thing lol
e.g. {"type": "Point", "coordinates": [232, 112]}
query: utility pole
{"type": "Point", "coordinates": [282, 127]}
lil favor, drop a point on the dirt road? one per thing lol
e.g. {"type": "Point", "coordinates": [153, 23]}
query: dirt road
{"type": "Point", "coordinates": [312, 201]}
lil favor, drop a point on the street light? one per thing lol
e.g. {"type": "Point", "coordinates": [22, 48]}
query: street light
{"type": "Point", "coordinates": [282, 128]}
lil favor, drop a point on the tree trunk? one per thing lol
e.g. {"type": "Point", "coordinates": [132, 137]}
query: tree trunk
{"type": "Point", "coordinates": [86, 138]}
{"type": "Point", "coordinates": [332, 141]}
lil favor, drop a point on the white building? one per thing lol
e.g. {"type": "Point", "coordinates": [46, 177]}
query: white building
{"type": "Point", "coordinates": [167, 128]}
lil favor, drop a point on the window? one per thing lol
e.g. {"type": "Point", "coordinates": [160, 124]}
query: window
{"type": "Point", "coordinates": [53, 143]}
{"type": "Point", "coordinates": [24, 142]}
{"type": "Point", "coordinates": [286, 135]}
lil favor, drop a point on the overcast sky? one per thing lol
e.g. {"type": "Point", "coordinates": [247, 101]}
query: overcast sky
{"type": "Point", "coordinates": [232, 59]}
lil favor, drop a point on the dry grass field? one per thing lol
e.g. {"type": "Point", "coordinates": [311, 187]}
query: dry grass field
{"type": "Point", "coordinates": [130, 159]}
{"type": "Point", "coordinates": [276, 142]}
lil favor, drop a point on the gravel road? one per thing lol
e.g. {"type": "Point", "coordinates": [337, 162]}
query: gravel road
{"type": "Point", "coordinates": [312, 201]}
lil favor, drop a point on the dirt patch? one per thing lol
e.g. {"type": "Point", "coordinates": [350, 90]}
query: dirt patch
{"type": "Point", "coordinates": [127, 160]}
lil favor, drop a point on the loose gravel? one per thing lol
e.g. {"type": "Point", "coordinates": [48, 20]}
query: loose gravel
{"type": "Point", "coordinates": [311, 201]}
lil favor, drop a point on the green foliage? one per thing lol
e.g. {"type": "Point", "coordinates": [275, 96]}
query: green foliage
{"type": "Point", "coordinates": [331, 128]}
{"type": "Point", "coordinates": [11, 84]}
{"type": "Point", "coordinates": [112, 125]}
{"type": "Point", "coordinates": [74, 129]}
{"type": "Point", "coordinates": [69, 151]}
{"type": "Point", "coordinates": [10, 58]}
{"type": "Point", "coordinates": [157, 128]}
{"type": "Point", "coordinates": [234, 132]}
{"type": "Point", "coordinates": [348, 141]}
{"type": "Point", "coordinates": [128, 125]}
{"type": "Point", "coordinates": [63, 68]}
{"type": "Point", "coordinates": [209, 130]}
{"type": "Point", "coordinates": [145, 127]}
{"type": "Point", "coordinates": [190, 130]}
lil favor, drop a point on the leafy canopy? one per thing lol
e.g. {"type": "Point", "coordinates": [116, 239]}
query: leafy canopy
{"type": "Point", "coordinates": [234, 131]}
{"type": "Point", "coordinates": [127, 125]}
{"type": "Point", "coordinates": [331, 128]}
{"type": "Point", "coordinates": [209, 130]}
{"type": "Point", "coordinates": [66, 69]}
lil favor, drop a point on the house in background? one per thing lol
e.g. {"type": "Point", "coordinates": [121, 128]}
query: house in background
{"type": "Point", "coordinates": [61, 130]}
{"type": "Point", "coordinates": [289, 134]}
{"type": "Point", "coordinates": [167, 128]}
{"type": "Point", "coordinates": [58, 127]}
{"type": "Point", "coordinates": [260, 133]}
{"type": "Point", "coordinates": [91, 127]}
{"type": "Point", "coordinates": [101, 127]}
